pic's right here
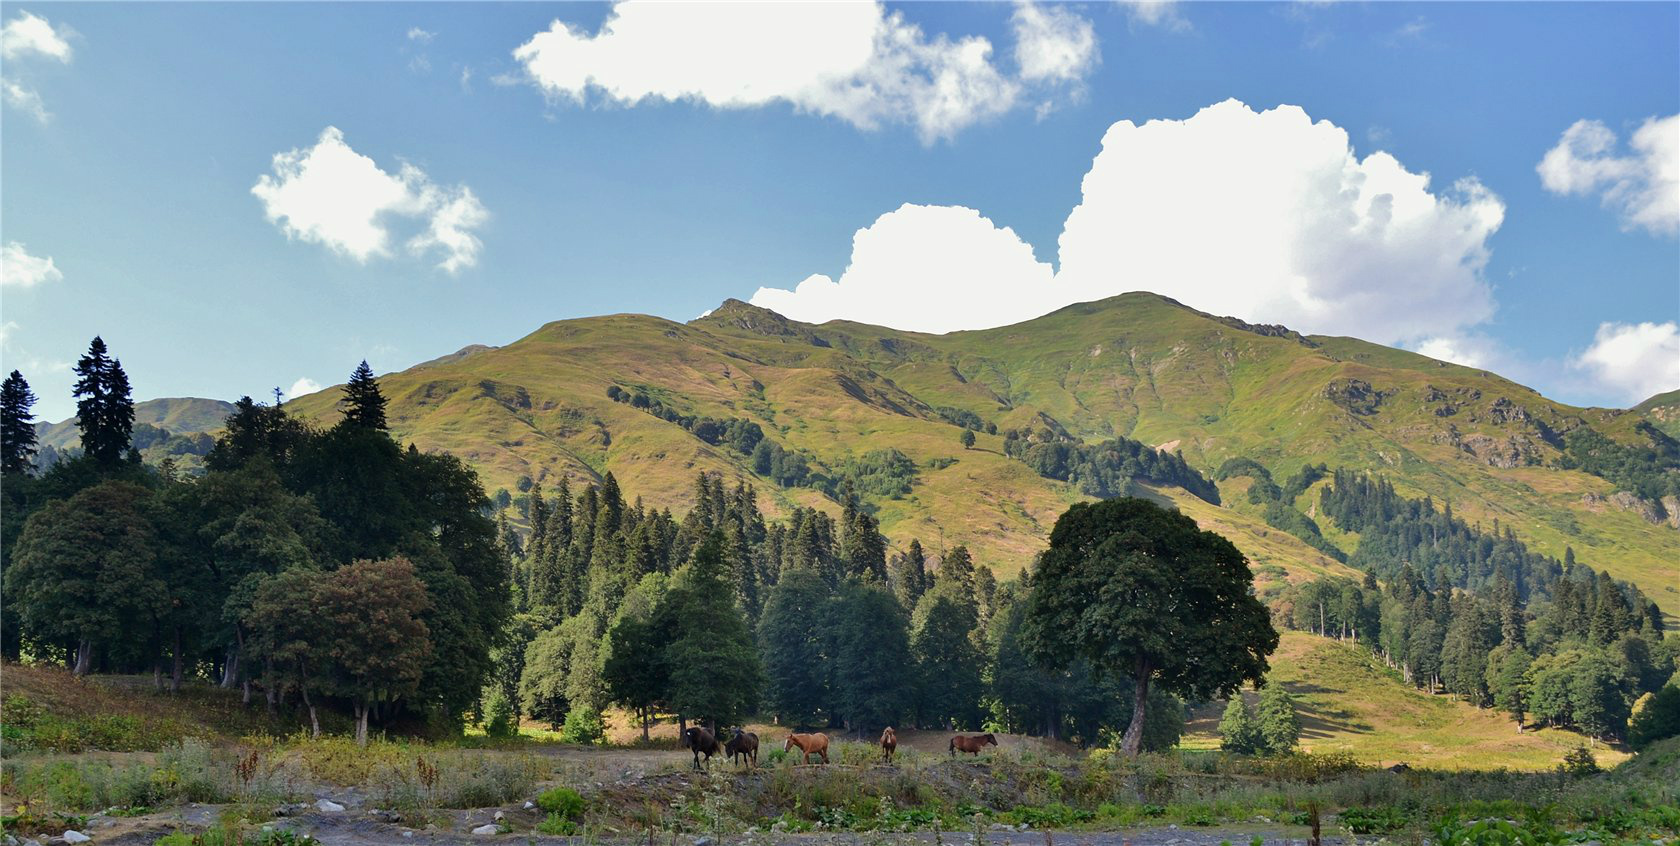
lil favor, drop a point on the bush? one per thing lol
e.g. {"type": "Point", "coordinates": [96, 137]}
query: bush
{"type": "Point", "coordinates": [1579, 762]}
{"type": "Point", "coordinates": [1373, 820]}
{"type": "Point", "coordinates": [498, 716]}
{"type": "Point", "coordinates": [583, 725]}
{"type": "Point", "coordinates": [1659, 718]}
{"type": "Point", "coordinates": [562, 801]}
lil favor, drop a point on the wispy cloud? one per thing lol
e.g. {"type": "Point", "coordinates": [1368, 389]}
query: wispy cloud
{"type": "Point", "coordinates": [1642, 187]}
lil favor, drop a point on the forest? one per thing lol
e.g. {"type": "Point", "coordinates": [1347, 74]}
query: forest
{"type": "Point", "coordinates": [257, 575]}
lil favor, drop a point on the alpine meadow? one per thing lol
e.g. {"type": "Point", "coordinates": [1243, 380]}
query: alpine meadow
{"type": "Point", "coordinates": [1229, 423]}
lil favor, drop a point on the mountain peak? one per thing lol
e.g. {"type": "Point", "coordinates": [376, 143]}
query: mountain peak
{"type": "Point", "coordinates": [746, 317]}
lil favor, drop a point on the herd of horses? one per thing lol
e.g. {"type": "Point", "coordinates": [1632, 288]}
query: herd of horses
{"type": "Point", "coordinates": [742, 747]}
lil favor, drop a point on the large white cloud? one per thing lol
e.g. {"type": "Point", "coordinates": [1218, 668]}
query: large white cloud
{"type": "Point", "coordinates": [32, 35]}
{"type": "Point", "coordinates": [1643, 187]}
{"type": "Point", "coordinates": [303, 387]}
{"type": "Point", "coordinates": [929, 268]}
{"type": "Point", "coordinates": [1271, 216]}
{"type": "Point", "coordinates": [853, 61]}
{"type": "Point", "coordinates": [19, 269]}
{"type": "Point", "coordinates": [1633, 360]}
{"type": "Point", "coordinates": [330, 194]}
{"type": "Point", "coordinates": [1264, 215]}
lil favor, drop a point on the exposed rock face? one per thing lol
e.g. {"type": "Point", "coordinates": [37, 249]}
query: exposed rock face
{"type": "Point", "coordinates": [1356, 395]}
{"type": "Point", "coordinates": [1507, 452]}
{"type": "Point", "coordinates": [1671, 504]}
{"type": "Point", "coordinates": [1665, 512]}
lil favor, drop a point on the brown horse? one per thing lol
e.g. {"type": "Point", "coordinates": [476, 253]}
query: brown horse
{"type": "Point", "coordinates": [972, 744]}
{"type": "Point", "coordinates": [889, 744]}
{"type": "Point", "coordinates": [743, 745]}
{"type": "Point", "coordinates": [809, 744]}
{"type": "Point", "coordinates": [702, 742]}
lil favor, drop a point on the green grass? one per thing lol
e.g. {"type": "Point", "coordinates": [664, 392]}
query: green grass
{"type": "Point", "coordinates": [1350, 703]}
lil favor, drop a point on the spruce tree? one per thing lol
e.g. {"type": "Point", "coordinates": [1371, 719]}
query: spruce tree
{"type": "Point", "coordinates": [715, 673]}
{"type": "Point", "coordinates": [364, 405]}
{"type": "Point", "coordinates": [794, 644]}
{"type": "Point", "coordinates": [17, 426]}
{"type": "Point", "coordinates": [104, 407]}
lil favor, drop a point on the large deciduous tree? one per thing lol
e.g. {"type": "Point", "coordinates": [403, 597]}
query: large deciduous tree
{"type": "Point", "coordinates": [1141, 592]}
{"type": "Point", "coordinates": [373, 643]}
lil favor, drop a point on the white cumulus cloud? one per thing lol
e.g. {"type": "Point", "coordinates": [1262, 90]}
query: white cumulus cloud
{"type": "Point", "coordinates": [1053, 43]}
{"type": "Point", "coordinates": [929, 268]}
{"type": "Point", "coordinates": [25, 99]}
{"type": "Point", "coordinates": [19, 269]}
{"type": "Point", "coordinates": [1633, 360]}
{"type": "Point", "coordinates": [303, 387]}
{"type": "Point", "coordinates": [1161, 13]}
{"type": "Point", "coordinates": [32, 35]}
{"type": "Point", "coordinates": [852, 61]}
{"type": "Point", "coordinates": [330, 194]}
{"type": "Point", "coordinates": [1265, 215]}
{"type": "Point", "coordinates": [1270, 216]}
{"type": "Point", "coordinates": [1643, 186]}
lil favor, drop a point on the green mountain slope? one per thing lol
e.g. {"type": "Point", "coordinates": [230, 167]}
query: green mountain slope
{"type": "Point", "coordinates": [1138, 365]}
{"type": "Point", "coordinates": [177, 415]}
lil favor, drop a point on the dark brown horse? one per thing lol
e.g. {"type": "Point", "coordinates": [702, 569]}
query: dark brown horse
{"type": "Point", "coordinates": [972, 744]}
{"type": "Point", "coordinates": [745, 745]}
{"type": "Point", "coordinates": [809, 744]}
{"type": "Point", "coordinates": [702, 742]}
{"type": "Point", "coordinates": [889, 744]}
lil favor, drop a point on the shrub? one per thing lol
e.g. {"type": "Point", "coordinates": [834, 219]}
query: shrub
{"type": "Point", "coordinates": [498, 716]}
{"type": "Point", "coordinates": [1579, 762]}
{"type": "Point", "coordinates": [583, 725]}
{"type": "Point", "coordinates": [562, 801]}
{"type": "Point", "coordinates": [1373, 820]}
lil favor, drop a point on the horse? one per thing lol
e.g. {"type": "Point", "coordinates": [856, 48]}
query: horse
{"type": "Point", "coordinates": [809, 744]}
{"type": "Point", "coordinates": [889, 744]}
{"type": "Point", "coordinates": [972, 744]}
{"type": "Point", "coordinates": [703, 743]}
{"type": "Point", "coordinates": [745, 745]}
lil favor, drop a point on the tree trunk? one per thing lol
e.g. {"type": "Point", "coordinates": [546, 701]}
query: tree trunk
{"type": "Point", "coordinates": [647, 717]}
{"type": "Point", "coordinates": [157, 673]}
{"type": "Point", "coordinates": [361, 723]}
{"type": "Point", "coordinates": [269, 685]}
{"type": "Point", "coordinates": [84, 657]}
{"type": "Point", "coordinates": [314, 719]}
{"type": "Point", "coordinates": [180, 667]}
{"type": "Point", "coordinates": [230, 667]}
{"type": "Point", "coordinates": [245, 698]}
{"type": "Point", "coordinates": [1132, 742]}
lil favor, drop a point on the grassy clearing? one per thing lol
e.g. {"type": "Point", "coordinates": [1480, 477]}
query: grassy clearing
{"type": "Point", "coordinates": [1350, 703]}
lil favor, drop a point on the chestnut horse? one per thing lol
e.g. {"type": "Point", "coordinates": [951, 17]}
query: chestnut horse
{"type": "Point", "coordinates": [809, 744]}
{"type": "Point", "coordinates": [703, 743]}
{"type": "Point", "coordinates": [889, 744]}
{"type": "Point", "coordinates": [972, 745]}
{"type": "Point", "coordinates": [744, 745]}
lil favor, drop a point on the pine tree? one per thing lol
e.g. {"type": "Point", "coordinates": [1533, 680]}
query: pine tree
{"type": "Point", "coordinates": [104, 407]}
{"type": "Point", "coordinates": [715, 673]}
{"type": "Point", "coordinates": [794, 644]}
{"type": "Point", "coordinates": [871, 650]}
{"type": "Point", "coordinates": [364, 405]}
{"type": "Point", "coordinates": [1276, 723]}
{"type": "Point", "coordinates": [17, 426]}
{"type": "Point", "coordinates": [947, 662]}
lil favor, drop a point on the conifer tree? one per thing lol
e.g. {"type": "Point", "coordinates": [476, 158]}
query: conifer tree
{"type": "Point", "coordinates": [104, 406]}
{"type": "Point", "coordinates": [715, 673]}
{"type": "Point", "coordinates": [792, 637]}
{"type": "Point", "coordinates": [363, 404]}
{"type": "Point", "coordinates": [17, 426]}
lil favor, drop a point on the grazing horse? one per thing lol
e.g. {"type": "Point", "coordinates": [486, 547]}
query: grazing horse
{"type": "Point", "coordinates": [972, 744]}
{"type": "Point", "coordinates": [745, 745]}
{"type": "Point", "coordinates": [809, 744]}
{"type": "Point", "coordinates": [702, 742]}
{"type": "Point", "coordinates": [889, 744]}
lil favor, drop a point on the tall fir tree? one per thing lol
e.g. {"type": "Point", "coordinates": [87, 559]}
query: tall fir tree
{"type": "Point", "coordinates": [104, 406]}
{"type": "Point", "coordinates": [17, 426]}
{"type": "Point", "coordinates": [364, 405]}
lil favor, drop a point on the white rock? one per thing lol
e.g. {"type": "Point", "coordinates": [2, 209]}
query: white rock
{"type": "Point", "coordinates": [74, 836]}
{"type": "Point", "coordinates": [500, 816]}
{"type": "Point", "coordinates": [328, 806]}
{"type": "Point", "coordinates": [529, 805]}
{"type": "Point", "coordinates": [487, 828]}
{"type": "Point", "coordinates": [407, 833]}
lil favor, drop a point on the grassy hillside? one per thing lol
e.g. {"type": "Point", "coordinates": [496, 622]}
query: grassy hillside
{"type": "Point", "coordinates": [1137, 365]}
{"type": "Point", "coordinates": [178, 415]}
{"type": "Point", "coordinates": [1350, 703]}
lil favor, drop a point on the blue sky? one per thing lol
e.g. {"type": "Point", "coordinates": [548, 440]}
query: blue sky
{"type": "Point", "coordinates": [134, 134]}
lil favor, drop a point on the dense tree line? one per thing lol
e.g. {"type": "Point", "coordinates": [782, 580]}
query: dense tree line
{"type": "Point", "coordinates": [259, 573]}
{"type": "Point", "coordinates": [1578, 659]}
{"type": "Point", "coordinates": [1650, 470]}
{"type": "Point", "coordinates": [1279, 503]}
{"type": "Point", "coordinates": [1107, 469]}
